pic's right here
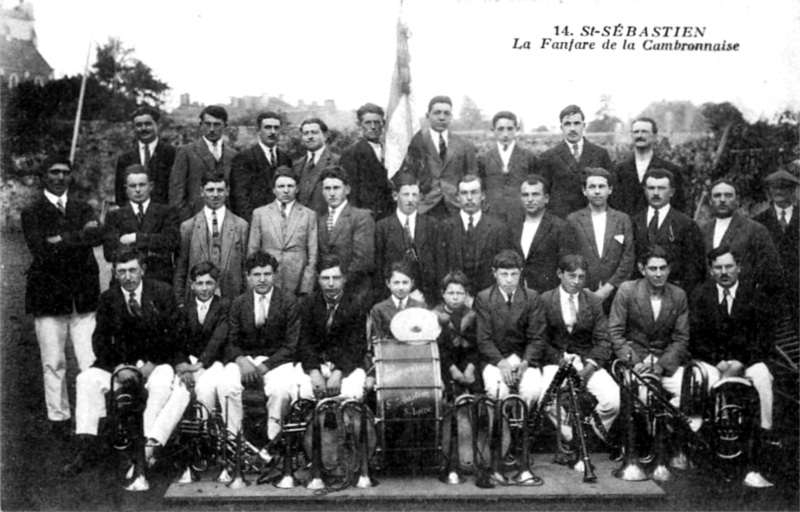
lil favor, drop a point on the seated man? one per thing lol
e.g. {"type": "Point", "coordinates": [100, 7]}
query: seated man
{"type": "Point", "coordinates": [136, 328]}
{"type": "Point", "coordinates": [263, 332]}
{"type": "Point", "coordinates": [649, 323]}
{"type": "Point", "coordinates": [400, 284]}
{"type": "Point", "coordinates": [733, 332]}
{"type": "Point", "coordinates": [511, 326]}
{"type": "Point", "coordinates": [332, 338]}
{"type": "Point", "coordinates": [577, 330]}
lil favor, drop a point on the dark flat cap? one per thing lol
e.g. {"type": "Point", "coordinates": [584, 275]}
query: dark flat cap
{"type": "Point", "coordinates": [782, 177]}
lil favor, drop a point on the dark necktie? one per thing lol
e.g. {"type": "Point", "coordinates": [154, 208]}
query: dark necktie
{"type": "Point", "coordinates": [273, 158]}
{"type": "Point", "coordinates": [724, 306]}
{"type": "Point", "coordinates": [331, 311]}
{"type": "Point", "coordinates": [782, 220]}
{"type": "Point", "coordinates": [401, 304]}
{"type": "Point", "coordinates": [330, 220]}
{"type": "Point", "coordinates": [310, 162]}
{"type": "Point", "coordinates": [470, 226]}
{"type": "Point", "coordinates": [134, 306]}
{"type": "Point", "coordinates": [576, 152]}
{"type": "Point", "coordinates": [652, 228]}
{"type": "Point", "coordinates": [283, 212]}
{"type": "Point", "coordinates": [140, 214]}
{"type": "Point", "coordinates": [442, 148]}
{"type": "Point", "coordinates": [407, 231]}
{"type": "Point", "coordinates": [146, 156]}
{"type": "Point", "coordinates": [215, 242]}
{"type": "Point", "coordinates": [510, 300]}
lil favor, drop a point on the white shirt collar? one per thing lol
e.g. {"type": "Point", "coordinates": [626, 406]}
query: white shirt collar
{"type": "Point", "coordinates": [212, 145]}
{"type": "Point", "coordinates": [152, 146]}
{"type": "Point", "coordinates": [412, 219]}
{"type": "Point", "coordinates": [510, 147]}
{"type": "Point", "coordinates": [579, 143]}
{"type": "Point", "coordinates": [135, 206]}
{"type": "Point", "coordinates": [397, 301]}
{"type": "Point", "coordinates": [338, 209]}
{"type": "Point", "coordinates": [54, 198]}
{"type": "Point", "coordinates": [266, 149]}
{"type": "Point", "coordinates": [288, 207]}
{"type": "Point", "coordinates": [662, 214]}
{"type": "Point", "coordinates": [789, 210]}
{"type": "Point", "coordinates": [221, 211]}
{"type": "Point", "coordinates": [316, 155]}
{"type": "Point", "coordinates": [202, 303]}
{"type": "Point", "coordinates": [435, 137]}
{"type": "Point", "coordinates": [268, 295]}
{"type": "Point", "coordinates": [136, 293]}
{"type": "Point", "coordinates": [731, 291]}
{"type": "Point", "coordinates": [476, 218]}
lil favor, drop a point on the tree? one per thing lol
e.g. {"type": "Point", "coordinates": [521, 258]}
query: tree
{"type": "Point", "coordinates": [121, 73]}
{"type": "Point", "coordinates": [470, 117]}
{"type": "Point", "coordinates": [720, 115]}
{"type": "Point", "coordinates": [604, 120]}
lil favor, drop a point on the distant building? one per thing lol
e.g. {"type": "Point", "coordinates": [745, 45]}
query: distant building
{"type": "Point", "coordinates": [20, 60]}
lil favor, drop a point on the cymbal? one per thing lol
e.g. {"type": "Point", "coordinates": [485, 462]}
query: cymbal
{"type": "Point", "coordinates": [415, 325]}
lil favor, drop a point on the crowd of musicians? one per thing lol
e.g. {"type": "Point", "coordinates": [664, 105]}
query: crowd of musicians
{"type": "Point", "coordinates": [239, 269]}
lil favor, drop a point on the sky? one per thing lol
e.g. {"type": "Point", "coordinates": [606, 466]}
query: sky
{"type": "Point", "coordinates": [345, 50]}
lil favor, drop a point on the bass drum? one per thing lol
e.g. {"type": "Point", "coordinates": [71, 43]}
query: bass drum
{"type": "Point", "coordinates": [409, 400]}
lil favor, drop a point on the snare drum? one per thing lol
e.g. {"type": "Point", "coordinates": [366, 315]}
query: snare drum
{"type": "Point", "coordinates": [409, 397]}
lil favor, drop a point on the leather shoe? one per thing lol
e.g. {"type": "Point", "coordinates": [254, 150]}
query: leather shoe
{"type": "Point", "coordinates": [76, 466]}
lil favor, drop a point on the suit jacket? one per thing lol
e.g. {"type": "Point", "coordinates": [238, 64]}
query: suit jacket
{"type": "Point", "coordinates": [425, 255]}
{"type": "Point", "coordinates": [64, 275]}
{"type": "Point", "coordinates": [634, 332]}
{"type": "Point", "coordinates": [589, 337]}
{"type": "Point", "coordinates": [192, 161]}
{"type": "Point", "coordinates": [457, 341]}
{"type": "Point", "coordinates": [122, 338]}
{"type": "Point", "coordinates": [251, 179]}
{"type": "Point", "coordinates": [309, 188]}
{"type": "Point", "coordinates": [628, 196]}
{"type": "Point", "coordinates": [438, 179]}
{"type": "Point", "coordinates": [344, 344]}
{"type": "Point", "coordinates": [559, 167]}
{"type": "Point", "coordinates": [294, 244]}
{"type": "Point", "coordinates": [746, 335]}
{"type": "Point", "coordinates": [383, 312]}
{"type": "Point", "coordinates": [205, 341]}
{"type": "Point", "coordinates": [159, 167]}
{"type": "Point", "coordinates": [787, 245]}
{"type": "Point", "coordinates": [352, 240]}
{"type": "Point", "coordinates": [681, 238]}
{"type": "Point", "coordinates": [196, 248]}
{"type": "Point", "coordinates": [616, 263]}
{"type": "Point", "coordinates": [277, 339]}
{"type": "Point", "coordinates": [157, 237]}
{"type": "Point", "coordinates": [489, 237]}
{"type": "Point", "coordinates": [554, 238]}
{"type": "Point", "coordinates": [369, 182]}
{"type": "Point", "coordinates": [502, 188]}
{"type": "Point", "coordinates": [503, 331]}
{"type": "Point", "coordinates": [751, 240]}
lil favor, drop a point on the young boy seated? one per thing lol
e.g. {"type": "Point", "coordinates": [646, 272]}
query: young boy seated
{"type": "Point", "coordinates": [400, 284]}
{"type": "Point", "coordinates": [457, 349]}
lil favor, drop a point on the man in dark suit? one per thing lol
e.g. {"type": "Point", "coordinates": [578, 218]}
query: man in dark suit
{"type": "Point", "coordinates": [192, 161]}
{"type": "Point", "coordinates": [747, 238]}
{"type": "Point", "coordinates": [471, 239]}
{"type": "Point", "coordinates": [563, 164]}
{"type": "Point", "coordinates": [63, 284]}
{"type": "Point", "coordinates": [253, 168]}
{"type": "Point", "coordinates": [151, 152]}
{"type": "Point", "coordinates": [511, 325]}
{"type": "Point", "coordinates": [577, 329]}
{"type": "Point", "coordinates": [605, 236]}
{"type": "Point", "coordinates": [364, 162]}
{"type": "Point", "coordinates": [308, 169]}
{"type": "Point", "coordinates": [661, 224]}
{"type": "Point", "coordinates": [628, 196]}
{"type": "Point", "coordinates": [438, 159]}
{"type": "Point", "coordinates": [410, 237]}
{"type": "Point", "coordinates": [149, 227]}
{"type": "Point", "coordinates": [349, 233]}
{"type": "Point", "coordinates": [504, 167]}
{"type": "Point", "coordinates": [784, 228]}
{"type": "Point", "coordinates": [733, 334]}
{"type": "Point", "coordinates": [137, 324]}
{"type": "Point", "coordinates": [649, 323]}
{"type": "Point", "coordinates": [264, 329]}
{"type": "Point", "coordinates": [540, 237]}
{"type": "Point", "coordinates": [332, 334]}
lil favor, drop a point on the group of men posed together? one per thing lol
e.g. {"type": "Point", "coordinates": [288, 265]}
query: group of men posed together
{"type": "Point", "coordinates": [235, 269]}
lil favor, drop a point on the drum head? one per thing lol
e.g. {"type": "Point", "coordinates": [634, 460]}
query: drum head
{"type": "Point", "coordinates": [415, 325]}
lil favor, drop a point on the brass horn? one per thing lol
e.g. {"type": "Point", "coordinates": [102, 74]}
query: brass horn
{"type": "Point", "coordinates": [320, 412]}
{"type": "Point", "coordinates": [451, 469]}
{"type": "Point", "coordinates": [515, 410]}
{"type": "Point", "coordinates": [293, 429]}
{"type": "Point", "coordinates": [358, 407]}
{"type": "Point", "coordinates": [735, 408]}
{"type": "Point", "coordinates": [631, 469]}
{"type": "Point", "coordinates": [127, 415]}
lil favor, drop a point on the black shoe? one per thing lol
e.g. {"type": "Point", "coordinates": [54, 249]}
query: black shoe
{"type": "Point", "coordinates": [77, 466]}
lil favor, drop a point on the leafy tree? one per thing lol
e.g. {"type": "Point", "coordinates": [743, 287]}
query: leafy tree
{"type": "Point", "coordinates": [470, 117]}
{"type": "Point", "coordinates": [720, 115]}
{"type": "Point", "coordinates": [604, 120]}
{"type": "Point", "coordinates": [117, 70]}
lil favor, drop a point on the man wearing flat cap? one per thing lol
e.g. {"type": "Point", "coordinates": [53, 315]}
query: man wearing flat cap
{"type": "Point", "coordinates": [781, 220]}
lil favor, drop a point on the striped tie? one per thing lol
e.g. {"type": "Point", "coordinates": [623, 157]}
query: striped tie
{"type": "Point", "coordinates": [330, 221]}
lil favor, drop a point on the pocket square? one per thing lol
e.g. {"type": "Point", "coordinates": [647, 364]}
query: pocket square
{"type": "Point", "coordinates": [619, 238]}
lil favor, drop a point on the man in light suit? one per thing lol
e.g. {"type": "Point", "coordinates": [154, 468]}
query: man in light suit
{"type": "Point", "coordinates": [562, 164]}
{"type": "Point", "coordinates": [349, 233]}
{"type": "Point", "coordinates": [308, 169]}
{"type": "Point", "coordinates": [214, 234]}
{"type": "Point", "coordinates": [605, 236]}
{"type": "Point", "coordinates": [628, 196]}
{"type": "Point", "coordinates": [253, 168]}
{"type": "Point", "coordinates": [151, 152]}
{"type": "Point", "coordinates": [288, 231]}
{"type": "Point", "coordinates": [661, 224]}
{"type": "Point", "coordinates": [210, 153]}
{"type": "Point", "coordinates": [540, 237]}
{"type": "Point", "coordinates": [369, 182]}
{"type": "Point", "coordinates": [438, 158]}
{"type": "Point", "coordinates": [747, 238]}
{"type": "Point", "coordinates": [472, 238]}
{"type": "Point", "coordinates": [149, 227]}
{"type": "Point", "coordinates": [504, 167]}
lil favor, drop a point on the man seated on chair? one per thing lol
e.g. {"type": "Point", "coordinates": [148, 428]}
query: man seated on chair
{"type": "Point", "coordinates": [332, 337]}
{"type": "Point", "coordinates": [136, 328]}
{"type": "Point", "coordinates": [733, 332]}
{"type": "Point", "coordinates": [263, 333]}
{"type": "Point", "coordinates": [511, 326]}
{"type": "Point", "coordinates": [577, 331]}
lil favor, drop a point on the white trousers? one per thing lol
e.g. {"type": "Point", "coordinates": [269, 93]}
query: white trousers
{"type": "Point", "coordinates": [352, 385]}
{"type": "Point", "coordinates": [530, 385]}
{"type": "Point", "coordinates": [762, 379]}
{"type": "Point", "coordinates": [279, 384]}
{"type": "Point", "coordinates": [601, 385]}
{"type": "Point", "coordinates": [52, 333]}
{"type": "Point", "coordinates": [92, 386]}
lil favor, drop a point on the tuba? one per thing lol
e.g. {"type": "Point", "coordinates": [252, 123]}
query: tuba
{"type": "Point", "coordinates": [197, 434]}
{"type": "Point", "coordinates": [457, 433]}
{"type": "Point", "coordinates": [734, 405]}
{"type": "Point", "coordinates": [293, 428]}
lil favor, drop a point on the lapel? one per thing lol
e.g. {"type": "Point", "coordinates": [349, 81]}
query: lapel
{"type": "Point", "coordinates": [433, 150]}
{"type": "Point", "coordinates": [666, 230]}
{"type": "Point", "coordinates": [494, 155]}
{"type": "Point", "coordinates": [585, 223]}
{"type": "Point", "coordinates": [261, 159]}
{"type": "Point", "coordinates": [644, 308]}
{"type": "Point", "coordinates": [667, 305]}
{"type": "Point", "coordinates": [200, 235]}
{"type": "Point", "coordinates": [339, 227]}
{"type": "Point", "coordinates": [273, 215]}
{"type": "Point", "coordinates": [295, 216]}
{"type": "Point", "coordinates": [583, 310]}
{"type": "Point", "coordinates": [566, 155]}
{"type": "Point", "coordinates": [544, 227]}
{"type": "Point", "coordinates": [201, 148]}
{"type": "Point", "coordinates": [250, 304]}
{"type": "Point", "coordinates": [228, 235]}
{"type": "Point", "coordinates": [734, 228]}
{"type": "Point", "coordinates": [611, 226]}
{"type": "Point", "coordinates": [150, 217]}
{"type": "Point", "coordinates": [555, 305]}
{"type": "Point", "coordinates": [420, 233]}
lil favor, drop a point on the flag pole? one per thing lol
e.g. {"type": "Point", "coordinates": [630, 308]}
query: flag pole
{"type": "Point", "coordinates": [77, 127]}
